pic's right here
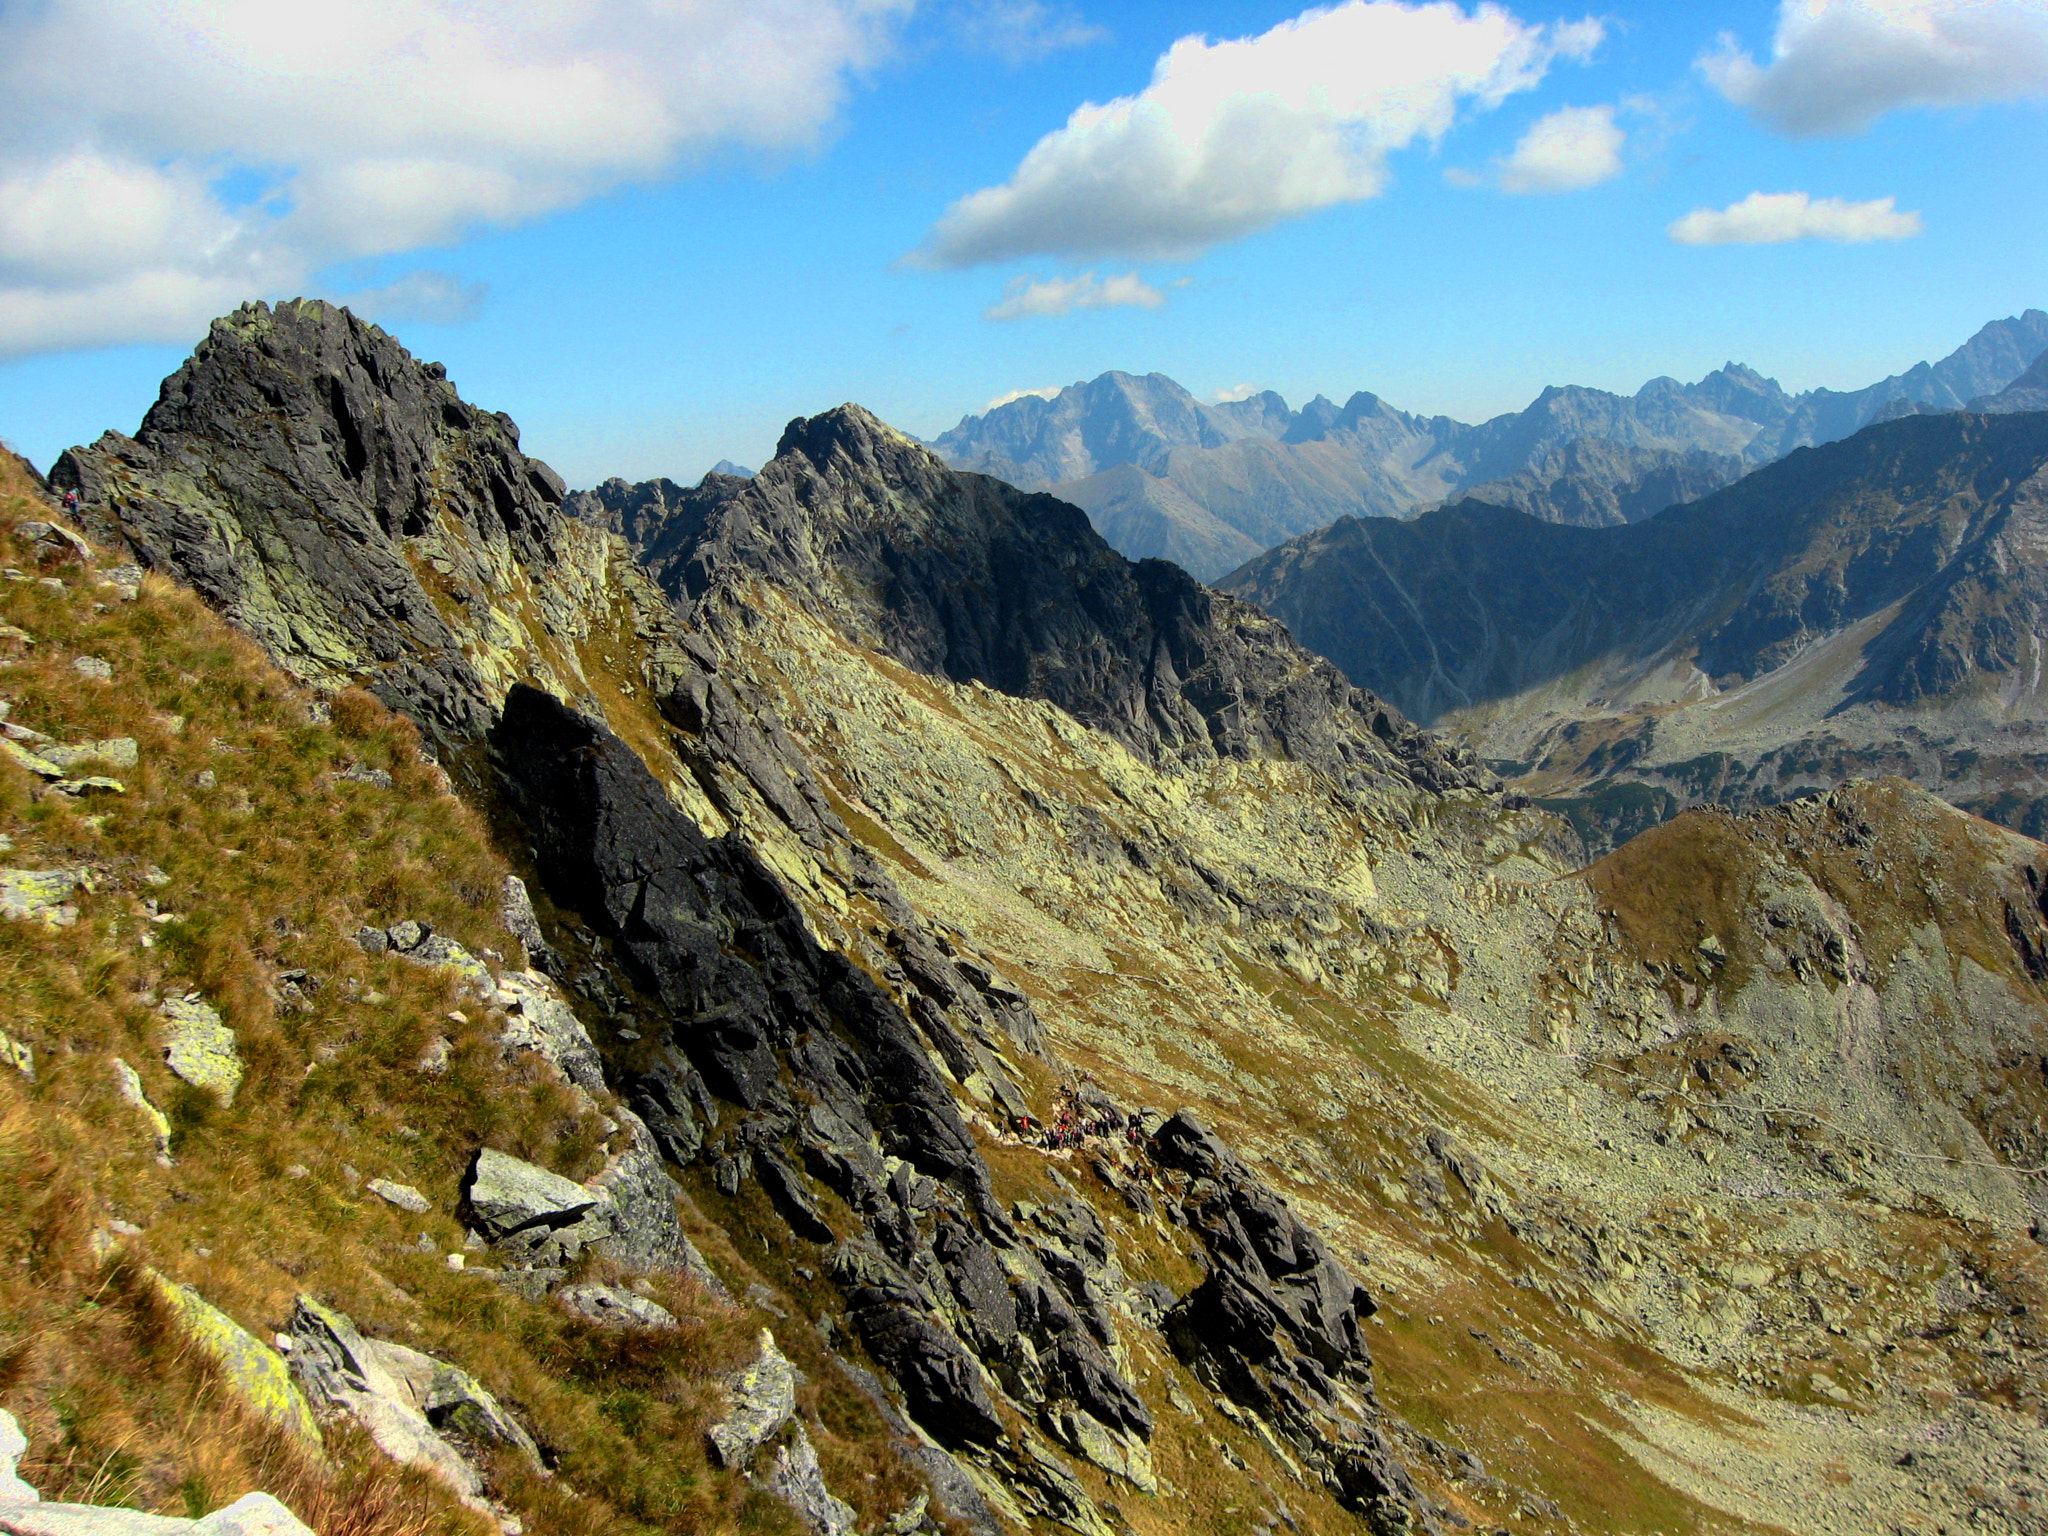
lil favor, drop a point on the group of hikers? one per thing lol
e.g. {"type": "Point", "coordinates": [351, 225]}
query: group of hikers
{"type": "Point", "coordinates": [1073, 1123]}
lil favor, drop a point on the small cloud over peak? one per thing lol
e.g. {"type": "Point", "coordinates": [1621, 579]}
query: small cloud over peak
{"type": "Point", "coordinates": [1236, 134]}
{"type": "Point", "coordinates": [1237, 392]}
{"type": "Point", "coordinates": [421, 298]}
{"type": "Point", "coordinates": [1049, 392]}
{"type": "Point", "coordinates": [1773, 218]}
{"type": "Point", "coordinates": [1566, 151]}
{"type": "Point", "coordinates": [1563, 151]}
{"type": "Point", "coordinates": [1027, 298]}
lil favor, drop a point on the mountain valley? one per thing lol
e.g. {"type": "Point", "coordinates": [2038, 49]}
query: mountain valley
{"type": "Point", "coordinates": [1865, 607]}
{"type": "Point", "coordinates": [1132, 1075]}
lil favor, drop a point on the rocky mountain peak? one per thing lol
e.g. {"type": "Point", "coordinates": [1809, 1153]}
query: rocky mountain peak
{"type": "Point", "coordinates": [338, 499]}
{"type": "Point", "coordinates": [847, 439]}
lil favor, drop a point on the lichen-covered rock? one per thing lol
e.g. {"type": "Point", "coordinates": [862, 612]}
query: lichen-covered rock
{"type": "Point", "coordinates": [201, 1049]}
{"type": "Point", "coordinates": [91, 786]}
{"type": "Point", "coordinates": [796, 1479]}
{"type": "Point", "coordinates": [256, 1371]}
{"type": "Point", "coordinates": [34, 762]}
{"type": "Point", "coordinates": [42, 895]}
{"type": "Point", "coordinates": [129, 1081]}
{"type": "Point", "coordinates": [17, 1054]}
{"type": "Point", "coordinates": [116, 752]}
{"type": "Point", "coordinates": [763, 1400]}
{"type": "Point", "coordinates": [403, 1398]}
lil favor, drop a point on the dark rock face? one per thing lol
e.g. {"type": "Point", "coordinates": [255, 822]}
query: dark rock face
{"type": "Point", "coordinates": [835, 1093]}
{"type": "Point", "coordinates": [968, 579]}
{"type": "Point", "coordinates": [659, 519]}
{"type": "Point", "coordinates": [1276, 1326]}
{"type": "Point", "coordinates": [282, 471]}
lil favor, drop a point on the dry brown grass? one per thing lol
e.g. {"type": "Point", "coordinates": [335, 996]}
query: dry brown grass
{"type": "Point", "coordinates": [270, 866]}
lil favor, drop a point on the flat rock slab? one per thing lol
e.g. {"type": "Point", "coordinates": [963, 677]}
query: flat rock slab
{"type": "Point", "coordinates": [254, 1514]}
{"type": "Point", "coordinates": [202, 1048]}
{"type": "Point", "coordinates": [615, 1306]}
{"type": "Point", "coordinates": [257, 1372]}
{"type": "Point", "coordinates": [508, 1195]}
{"type": "Point", "coordinates": [799, 1482]}
{"type": "Point", "coordinates": [115, 752]}
{"type": "Point", "coordinates": [404, 1196]}
{"type": "Point", "coordinates": [34, 762]}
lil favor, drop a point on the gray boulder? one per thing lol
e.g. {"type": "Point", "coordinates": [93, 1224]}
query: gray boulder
{"type": "Point", "coordinates": [13, 1446]}
{"type": "Point", "coordinates": [22, 1512]}
{"type": "Point", "coordinates": [41, 895]}
{"type": "Point", "coordinates": [201, 1048]}
{"type": "Point", "coordinates": [763, 1400]}
{"type": "Point", "coordinates": [615, 1306]}
{"type": "Point", "coordinates": [798, 1481]}
{"type": "Point", "coordinates": [530, 1216]}
{"type": "Point", "coordinates": [539, 1019]}
{"type": "Point", "coordinates": [404, 1399]}
{"type": "Point", "coordinates": [117, 752]}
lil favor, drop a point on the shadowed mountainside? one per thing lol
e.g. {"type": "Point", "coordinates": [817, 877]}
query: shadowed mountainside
{"type": "Point", "coordinates": [1844, 597]}
{"type": "Point", "coordinates": [1164, 474]}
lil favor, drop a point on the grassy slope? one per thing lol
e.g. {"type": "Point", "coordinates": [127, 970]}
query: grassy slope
{"type": "Point", "coordinates": [271, 868]}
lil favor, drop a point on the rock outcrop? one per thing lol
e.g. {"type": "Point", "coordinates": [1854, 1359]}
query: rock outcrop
{"type": "Point", "coordinates": [421, 1411]}
{"type": "Point", "coordinates": [843, 867]}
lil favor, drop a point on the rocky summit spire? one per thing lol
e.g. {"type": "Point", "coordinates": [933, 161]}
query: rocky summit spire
{"type": "Point", "coordinates": [340, 501]}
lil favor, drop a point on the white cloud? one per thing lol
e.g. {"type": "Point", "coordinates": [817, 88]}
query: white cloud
{"type": "Point", "coordinates": [1051, 391]}
{"type": "Point", "coordinates": [1566, 151]}
{"type": "Point", "coordinates": [1027, 298]}
{"type": "Point", "coordinates": [426, 296]}
{"type": "Point", "coordinates": [213, 152]}
{"type": "Point", "coordinates": [1771, 218]}
{"type": "Point", "coordinates": [1025, 31]}
{"type": "Point", "coordinates": [1235, 393]}
{"type": "Point", "coordinates": [1233, 136]}
{"type": "Point", "coordinates": [1836, 66]}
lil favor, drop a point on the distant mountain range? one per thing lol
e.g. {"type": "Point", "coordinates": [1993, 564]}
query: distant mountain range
{"type": "Point", "coordinates": [1873, 605]}
{"type": "Point", "coordinates": [1211, 485]}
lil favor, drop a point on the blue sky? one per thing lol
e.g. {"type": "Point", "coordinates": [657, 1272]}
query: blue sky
{"type": "Point", "coordinates": [656, 237]}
